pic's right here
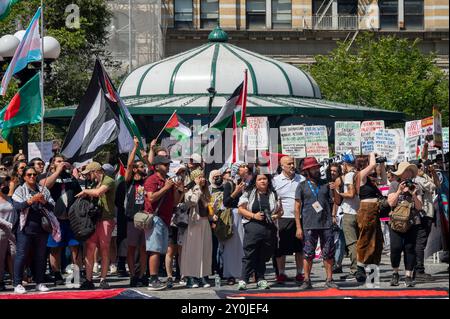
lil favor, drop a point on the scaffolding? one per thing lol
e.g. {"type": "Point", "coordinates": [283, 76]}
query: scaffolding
{"type": "Point", "coordinates": [137, 32]}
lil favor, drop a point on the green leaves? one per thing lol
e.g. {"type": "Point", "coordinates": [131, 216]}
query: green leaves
{"type": "Point", "coordinates": [388, 72]}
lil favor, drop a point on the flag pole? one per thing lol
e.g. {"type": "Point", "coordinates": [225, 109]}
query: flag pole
{"type": "Point", "coordinates": [42, 76]}
{"type": "Point", "coordinates": [166, 124]}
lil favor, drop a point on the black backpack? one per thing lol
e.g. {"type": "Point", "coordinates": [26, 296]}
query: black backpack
{"type": "Point", "coordinates": [83, 215]}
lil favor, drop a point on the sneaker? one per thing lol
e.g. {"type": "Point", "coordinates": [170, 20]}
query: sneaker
{"type": "Point", "coordinates": [19, 289]}
{"type": "Point", "coordinates": [262, 284]}
{"type": "Point", "coordinates": [337, 270]}
{"type": "Point", "coordinates": [331, 284]}
{"type": "Point", "coordinates": [42, 288]}
{"type": "Point", "coordinates": [113, 269]}
{"type": "Point", "coordinates": [395, 278]}
{"type": "Point", "coordinates": [409, 282]}
{"type": "Point", "coordinates": [349, 277]}
{"type": "Point", "coordinates": [306, 285]}
{"type": "Point", "coordinates": [182, 282]}
{"type": "Point", "coordinates": [299, 279]}
{"type": "Point", "coordinates": [422, 276]}
{"type": "Point", "coordinates": [87, 285]}
{"type": "Point", "coordinates": [360, 274]}
{"type": "Point", "coordinates": [204, 283]}
{"type": "Point", "coordinates": [191, 283]}
{"type": "Point", "coordinates": [242, 285]}
{"type": "Point", "coordinates": [169, 283]}
{"type": "Point", "coordinates": [281, 278]}
{"type": "Point", "coordinates": [104, 284]}
{"type": "Point", "coordinates": [59, 280]}
{"type": "Point", "coordinates": [156, 285]}
{"type": "Point", "coordinates": [134, 281]}
{"type": "Point", "coordinates": [96, 269]}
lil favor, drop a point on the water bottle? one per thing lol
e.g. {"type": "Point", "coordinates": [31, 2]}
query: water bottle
{"type": "Point", "coordinates": [217, 280]}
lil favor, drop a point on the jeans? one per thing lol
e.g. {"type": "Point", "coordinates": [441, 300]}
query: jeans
{"type": "Point", "coordinates": [423, 231]}
{"type": "Point", "coordinates": [38, 244]}
{"type": "Point", "coordinates": [340, 249]}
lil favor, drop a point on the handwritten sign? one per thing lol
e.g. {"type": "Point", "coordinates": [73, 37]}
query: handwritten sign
{"type": "Point", "coordinates": [399, 143]}
{"type": "Point", "coordinates": [385, 145]}
{"type": "Point", "coordinates": [347, 137]}
{"type": "Point", "coordinates": [445, 139]}
{"type": "Point", "coordinates": [257, 133]}
{"type": "Point", "coordinates": [368, 129]}
{"type": "Point", "coordinates": [412, 139]}
{"type": "Point", "coordinates": [41, 150]}
{"type": "Point", "coordinates": [316, 141]}
{"type": "Point", "coordinates": [437, 128]}
{"type": "Point", "coordinates": [293, 140]}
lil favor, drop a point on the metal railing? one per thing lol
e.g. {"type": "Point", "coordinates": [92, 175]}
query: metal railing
{"type": "Point", "coordinates": [335, 22]}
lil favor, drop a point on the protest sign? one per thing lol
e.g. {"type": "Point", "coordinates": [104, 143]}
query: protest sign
{"type": "Point", "coordinates": [427, 133]}
{"type": "Point", "coordinates": [347, 137]}
{"type": "Point", "coordinates": [368, 129]}
{"type": "Point", "coordinates": [257, 133]}
{"type": "Point", "coordinates": [385, 145]}
{"type": "Point", "coordinates": [399, 143]}
{"type": "Point", "coordinates": [293, 140]}
{"type": "Point", "coordinates": [445, 139]}
{"type": "Point", "coordinates": [41, 150]}
{"type": "Point", "coordinates": [412, 139]}
{"type": "Point", "coordinates": [316, 142]}
{"type": "Point", "coordinates": [437, 128]}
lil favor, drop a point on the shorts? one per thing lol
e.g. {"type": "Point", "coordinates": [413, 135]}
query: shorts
{"type": "Point", "coordinates": [157, 238]}
{"type": "Point", "coordinates": [135, 237]}
{"type": "Point", "coordinates": [288, 243]}
{"type": "Point", "coordinates": [311, 237]}
{"type": "Point", "coordinates": [173, 235]}
{"type": "Point", "coordinates": [103, 233]}
{"type": "Point", "coordinates": [67, 236]}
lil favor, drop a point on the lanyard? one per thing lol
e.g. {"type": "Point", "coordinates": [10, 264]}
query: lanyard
{"type": "Point", "coordinates": [315, 191]}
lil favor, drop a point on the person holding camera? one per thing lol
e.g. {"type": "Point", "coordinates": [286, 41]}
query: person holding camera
{"type": "Point", "coordinates": [196, 259]}
{"type": "Point", "coordinates": [260, 208]}
{"type": "Point", "coordinates": [404, 239]}
{"type": "Point", "coordinates": [63, 188]}
{"type": "Point", "coordinates": [314, 219]}
{"type": "Point", "coordinates": [370, 241]}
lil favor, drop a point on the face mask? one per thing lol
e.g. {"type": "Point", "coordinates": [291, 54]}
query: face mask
{"type": "Point", "coordinates": [5, 190]}
{"type": "Point", "coordinates": [218, 181]}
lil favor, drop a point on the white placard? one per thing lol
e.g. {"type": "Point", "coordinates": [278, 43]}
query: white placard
{"type": "Point", "coordinates": [316, 140]}
{"type": "Point", "coordinates": [293, 140]}
{"type": "Point", "coordinates": [385, 145]}
{"type": "Point", "coordinates": [257, 132]}
{"type": "Point", "coordinates": [45, 152]}
{"type": "Point", "coordinates": [445, 139]}
{"type": "Point", "coordinates": [368, 129]}
{"type": "Point", "coordinates": [399, 143]}
{"type": "Point", "coordinates": [412, 139]}
{"type": "Point", "coordinates": [347, 137]}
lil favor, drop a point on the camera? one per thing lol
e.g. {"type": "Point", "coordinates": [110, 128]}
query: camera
{"type": "Point", "coordinates": [268, 216]}
{"type": "Point", "coordinates": [381, 159]}
{"type": "Point", "coordinates": [410, 184]}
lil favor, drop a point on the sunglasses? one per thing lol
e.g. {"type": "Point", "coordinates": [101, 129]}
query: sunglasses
{"type": "Point", "coordinates": [31, 174]}
{"type": "Point", "coordinates": [140, 166]}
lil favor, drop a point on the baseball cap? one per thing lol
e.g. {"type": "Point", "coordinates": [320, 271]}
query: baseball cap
{"type": "Point", "coordinates": [161, 160]}
{"type": "Point", "coordinates": [94, 166]}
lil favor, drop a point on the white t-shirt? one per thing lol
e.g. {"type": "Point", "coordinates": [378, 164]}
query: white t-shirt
{"type": "Point", "coordinates": [285, 188]}
{"type": "Point", "coordinates": [349, 205]}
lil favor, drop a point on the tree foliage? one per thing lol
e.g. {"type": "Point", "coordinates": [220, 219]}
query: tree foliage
{"type": "Point", "coordinates": [389, 73]}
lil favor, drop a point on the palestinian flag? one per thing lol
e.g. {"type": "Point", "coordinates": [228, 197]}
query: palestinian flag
{"type": "Point", "coordinates": [236, 103]}
{"type": "Point", "coordinates": [25, 107]}
{"type": "Point", "coordinates": [120, 177]}
{"type": "Point", "coordinates": [177, 129]}
{"type": "Point", "coordinates": [97, 121]}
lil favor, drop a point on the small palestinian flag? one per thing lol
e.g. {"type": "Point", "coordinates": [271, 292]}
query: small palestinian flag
{"type": "Point", "coordinates": [25, 107]}
{"type": "Point", "coordinates": [177, 129]}
{"type": "Point", "coordinates": [120, 177]}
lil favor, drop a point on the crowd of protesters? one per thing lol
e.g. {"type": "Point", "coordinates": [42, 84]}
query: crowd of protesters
{"type": "Point", "coordinates": [228, 223]}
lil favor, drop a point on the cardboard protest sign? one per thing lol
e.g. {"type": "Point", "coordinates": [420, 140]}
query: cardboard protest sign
{"type": "Point", "coordinates": [399, 143]}
{"type": "Point", "coordinates": [293, 140]}
{"type": "Point", "coordinates": [257, 133]}
{"type": "Point", "coordinates": [412, 139]}
{"type": "Point", "coordinates": [368, 129]}
{"type": "Point", "coordinates": [445, 139]}
{"type": "Point", "coordinates": [316, 141]}
{"type": "Point", "coordinates": [385, 145]}
{"type": "Point", "coordinates": [347, 137]}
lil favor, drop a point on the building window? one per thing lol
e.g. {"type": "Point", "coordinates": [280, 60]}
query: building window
{"type": "Point", "coordinates": [209, 14]}
{"type": "Point", "coordinates": [388, 14]}
{"type": "Point", "coordinates": [319, 7]}
{"type": "Point", "coordinates": [256, 14]}
{"type": "Point", "coordinates": [281, 14]}
{"type": "Point", "coordinates": [348, 7]}
{"type": "Point", "coordinates": [414, 14]}
{"type": "Point", "coordinates": [183, 14]}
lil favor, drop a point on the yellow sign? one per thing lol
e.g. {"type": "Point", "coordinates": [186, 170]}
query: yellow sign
{"type": "Point", "coordinates": [5, 147]}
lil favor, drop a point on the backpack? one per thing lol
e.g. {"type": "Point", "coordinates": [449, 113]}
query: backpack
{"type": "Point", "coordinates": [83, 215]}
{"type": "Point", "coordinates": [401, 217]}
{"type": "Point", "coordinates": [224, 224]}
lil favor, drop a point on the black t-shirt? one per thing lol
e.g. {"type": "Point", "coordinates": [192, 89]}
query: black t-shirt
{"type": "Point", "coordinates": [135, 198]}
{"type": "Point", "coordinates": [262, 204]}
{"type": "Point", "coordinates": [63, 193]}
